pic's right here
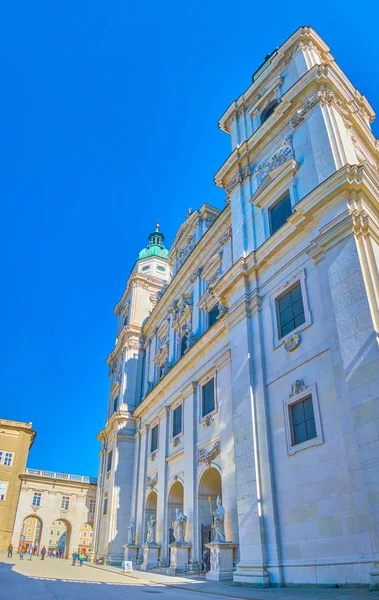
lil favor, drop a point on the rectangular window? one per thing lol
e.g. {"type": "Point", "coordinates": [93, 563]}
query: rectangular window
{"type": "Point", "coordinates": [8, 459]}
{"type": "Point", "coordinates": [58, 533]}
{"type": "Point", "coordinates": [91, 534]}
{"type": "Point", "coordinates": [65, 502]}
{"type": "Point", "coordinates": [109, 461]}
{"type": "Point", "coordinates": [115, 403]}
{"type": "Point", "coordinates": [105, 504]}
{"type": "Point", "coordinates": [29, 530]}
{"type": "Point", "coordinates": [51, 531]}
{"type": "Point", "coordinates": [177, 420]}
{"type": "Point", "coordinates": [303, 427]}
{"type": "Point", "coordinates": [183, 344]}
{"type": "Point", "coordinates": [84, 534]}
{"type": "Point", "coordinates": [290, 310]}
{"type": "Point", "coordinates": [279, 213]}
{"type": "Point", "coordinates": [50, 541]}
{"type": "Point", "coordinates": [154, 439]}
{"type": "Point", "coordinates": [212, 316]}
{"type": "Point", "coordinates": [92, 506]}
{"type": "Point", "coordinates": [37, 499]}
{"type": "Point", "coordinates": [208, 397]}
{"type": "Point", "coordinates": [27, 538]}
{"type": "Point", "coordinates": [30, 521]}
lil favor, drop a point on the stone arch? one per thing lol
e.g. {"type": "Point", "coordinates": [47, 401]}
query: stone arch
{"type": "Point", "coordinates": [150, 509]}
{"type": "Point", "coordinates": [175, 499]}
{"type": "Point", "coordinates": [36, 532]}
{"type": "Point", "coordinates": [66, 541]}
{"type": "Point", "coordinates": [209, 487]}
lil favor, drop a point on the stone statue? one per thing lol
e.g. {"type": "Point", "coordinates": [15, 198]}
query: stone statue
{"type": "Point", "coordinates": [179, 526]}
{"type": "Point", "coordinates": [131, 532]}
{"type": "Point", "coordinates": [219, 518]}
{"type": "Point", "coordinates": [150, 537]}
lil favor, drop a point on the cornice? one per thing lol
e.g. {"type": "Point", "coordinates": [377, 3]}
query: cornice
{"type": "Point", "coordinates": [321, 84]}
{"type": "Point", "coordinates": [39, 481]}
{"type": "Point", "coordinates": [128, 338]}
{"type": "Point", "coordinates": [138, 279]}
{"type": "Point", "coordinates": [306, 36]}
{"type": "Point", "coordinates": [116, 421]}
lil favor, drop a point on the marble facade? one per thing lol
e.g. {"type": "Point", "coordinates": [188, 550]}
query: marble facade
{"type": "Point", "coordinates": [207, 375]}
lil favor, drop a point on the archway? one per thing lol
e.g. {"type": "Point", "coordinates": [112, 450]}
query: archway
{"type": "Point", "coordinates": [31, 532]}
{"type": "Point", "coordinates": [150, 509]}
{"type": "Point", "coordinates": [209, 488]}
{"type": "Point", "coordinates": [175, 500]}
{"type": "Point", "coordinates": [86, 539]}
{"type": "Point", "coordinates": [60, 538]}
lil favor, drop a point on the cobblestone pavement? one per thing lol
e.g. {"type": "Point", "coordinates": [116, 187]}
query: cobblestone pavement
{"type": "Point", "coordinates": [54, 579]}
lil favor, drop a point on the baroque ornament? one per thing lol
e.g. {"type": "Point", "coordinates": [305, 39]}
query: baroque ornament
{"type": "Point", "coordinates": [292, 342]}
{"type": "Point", "coordinates": [297, 387]}
{"type": "Point", "coordinates": [204, 457]}
{"type": "Point", "coordinates": [284, 153]}
{"type": "Point", "coordinates": [152, 480]}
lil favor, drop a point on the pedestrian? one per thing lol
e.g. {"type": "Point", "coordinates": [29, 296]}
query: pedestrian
{"type": "Point", "coordinates": [30, 553]}
{"type": "Point", "coordinates": [205, 561]}
{"type": "Point", "coordinates": [81, 559]}
{"type": "Point", "coordinates": [22, 551]}
{"type": "Point", "coordinates": [75, 557]}
{"type": "Point", "coordinates": [10, 550]}
{"type": "Point", "coordinates": [43, 552]}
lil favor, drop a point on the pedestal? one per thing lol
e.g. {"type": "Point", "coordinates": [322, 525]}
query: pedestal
{"type": "Point", "coordinates": [374, 577]}
{"type": "Point", "coordinates": [131, 553]}
{"type": "Point", "coordinates": [179, 557]}
{"type": "Point", "coordinates": [150, 557]}
{"type": "Point", "coordinates": [221, 559]}
{"type": "Point", "coordinates": [252, 574]}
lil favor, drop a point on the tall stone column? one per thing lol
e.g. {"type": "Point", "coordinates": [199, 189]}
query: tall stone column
{"type": "Point", "coordinates": [190, 471]}
{"type": "Point", "coordinates": [141, 494]}
{"type": "Point", "coordinates": [252, 565]}
{"type": "Point", "coordinates": [162, 525]}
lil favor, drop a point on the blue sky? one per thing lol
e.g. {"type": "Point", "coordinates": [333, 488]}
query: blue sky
{"type": "Point", "coordinates": [109, 116]}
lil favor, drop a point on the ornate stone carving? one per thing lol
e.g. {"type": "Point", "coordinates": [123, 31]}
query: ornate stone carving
{"type": "Point", "coordinates": [179, 526]}
{"type": "Point", "coordinates": [204, 457]}
{"type": "Point", "coordinates": [238, 179]}
{"type": "Point", "coordinates": [35, 508]}
{"type": "Point", "coordinates": [63, 513]}
{"type": "Point", "coordinates": [208, 420]}
{"type": "Point", "coordinates": [153, 455]}
{"type": "Point", "coordinates": [176, 442]}
{"type": "Point", "coordinates": [152, 480]}
{"type": "Point", "coordinates": [323, 96]}
{"type": "Point", "coordinates": [131, 531]}
{"type": "Point", "coordinates": [150, 535]}
{"type": "Point", "coordinates": [284, 153]}
{"type": "Point", "coordinates": [221, 310]}
{"type": "Point", "coordinates": [292, 342]}
{"type": "Point", "coordinates": [195, 274]}
{"type": "Point", "coordinates": [219, 521]}
{"type": "Point", "coordinates": [297, 387]}
{"type": "Point", "coordinates": [225, 236]}
{"type": "Point", "coordinates": [215, 559]}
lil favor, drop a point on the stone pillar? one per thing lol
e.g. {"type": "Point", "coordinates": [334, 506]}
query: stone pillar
{"type": "Point", "coordinates": [252, 564]}
{"type": "Point", "coordinates": [162, 527]}
{"type": "Point", "coordinates": [141, 494]}
{"type": "Point", "coordinates": [190, 473]}
{"type": "Point", "coordinates": [179, 558]}
{"type": "Point", "coordinates": [150, 557]}
{"type": "Point", "coordinates": [131, 553]}
{"type": "Point", "coordinates": [221, 559]}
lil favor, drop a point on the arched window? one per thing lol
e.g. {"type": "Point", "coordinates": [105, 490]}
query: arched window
{"type": "Point", "coordinates": [268, 111]}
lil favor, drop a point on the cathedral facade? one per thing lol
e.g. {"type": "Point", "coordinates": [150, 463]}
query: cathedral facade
{"type": "Point", "coordinates": [245, 373]}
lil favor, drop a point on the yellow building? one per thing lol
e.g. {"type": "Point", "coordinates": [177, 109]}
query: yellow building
{"type": "Point", "coordinates": [16, 439]}
{"type": "Point", "coordinates": [86, 538]}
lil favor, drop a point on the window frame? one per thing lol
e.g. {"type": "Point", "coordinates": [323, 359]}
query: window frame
{"type": "Point", "coordinates": [6, 455]}
{"type": "Point", "coordinates": [308, 391]}
{"type": "Point", "coordinates": [286, 194]}
{"type": "Point", "coordinates": [173, 409]}
{"type": "Point", "coordinates": [202, 383]}
{"type": "Point", "coordinates": [65, 503]}
{"type": "Point", "coordinates": [155, 425]}
{"type": "Point", "coordinates": [105, 504]}
{"type": "Point", "coordinates": [300, 277]}
{"type": "Point", "coordinates": [37, 495]}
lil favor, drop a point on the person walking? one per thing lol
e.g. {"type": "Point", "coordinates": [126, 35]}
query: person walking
{"type": "Point", "coordinates": [81, 559]}
{"type": "Point", "coordinates": [10, 550]}
{"type": "Point", "coordinates": [22, 551]}
{"type": "Point", "coordinates": [75, 557]}
{"type": "Point", "coordinates": [30, 553]}
{"type": "Point", "coordinates": [43, 552]}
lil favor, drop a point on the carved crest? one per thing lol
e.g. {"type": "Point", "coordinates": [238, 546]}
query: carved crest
{"type": "Point", "coordinates": [206, 457]}
{"type": "Point", "coordinates": [152, 480]}
{"type": "Point", "coordinates": [297, 387]}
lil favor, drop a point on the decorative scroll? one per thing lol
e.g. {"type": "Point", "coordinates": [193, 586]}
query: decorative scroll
{"type": "Point", "coordinates": [152, 480]}
{"type": "Point", "coordinates": [204, 457]}
{"type": "Point", "coordinates": [297, 387]}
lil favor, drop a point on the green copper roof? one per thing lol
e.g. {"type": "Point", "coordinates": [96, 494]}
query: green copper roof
{"type": "Point", "coordinates": [155, 246]}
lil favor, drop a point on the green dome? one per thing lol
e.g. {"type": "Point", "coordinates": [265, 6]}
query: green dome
{"type": "Point", "coordinates": [155, 246]}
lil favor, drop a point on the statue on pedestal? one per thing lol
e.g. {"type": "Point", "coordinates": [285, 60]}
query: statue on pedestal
{"type": "Point", "coordinates": [131, 531]}
{"type": "Point", "coordinates": [179, 526]}
{"type": "Point", "coordinates": [150, 537]}
{"type": "Point", "coordinates": [218, 519]}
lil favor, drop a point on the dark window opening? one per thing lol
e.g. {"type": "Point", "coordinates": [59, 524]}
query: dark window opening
{"type": "Point", "coordinates": [208, 397]}
{"type": "Point", "coordinates": [109, 462]}
{"type": "Point", "coordinates": [303, 427]}
{"type": "Point", "coordinates": [290, 310]}
{"type": "Point", "coordinates": [212, 316]}
{"type": "Point", "coordinates": [268, 111]}
{"type": "Point", "coordinates": [183, 344]}
{"type": "Point", "coordinates": [177, 421]}
{"type": "Point", "coordinates": [279, 213]}
{"type": "Point", "coordinates": [154, 439]}
{"type": "Point", "coordinates": [115, 404]}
